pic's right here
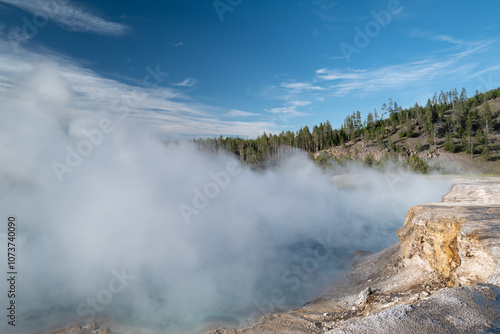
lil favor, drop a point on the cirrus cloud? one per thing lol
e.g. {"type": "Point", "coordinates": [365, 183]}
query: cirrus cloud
{"type": "Point", "coordinates": [70, 16]}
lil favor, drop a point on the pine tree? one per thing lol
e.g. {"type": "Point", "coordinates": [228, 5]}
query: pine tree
{"type": "Point", "coordinates": [358, 124]}
{"type": "Point", "coordinates": [454, 95]}
{"type": "Point", "coordinates": [390, 145]}
{"type": "Point", "coordinates": [409, 130]}
{"type": "Point", "coordinates": [448, 143]}
{"type": "Point", "coordinates": [463, 96]}
{"type": "Point", "coordinates": [485, 154]}
{"type": "Point", "coordinates": [384, 109]}
{"type": "Point", "coordinates": [470, 135]}
{"type": "Point", "coordinates": [434, 127]}
{"type": "Point", "coordinates": [487, 123]}
{"type": "Point", "coordinates": [417, 110]}
{"type": "Point", "coordinates": [315, 137]}
{"type": "Point", "coordinates": [328, 135]}
{"type": "Point", "coordinates": [369, 120]}
{"type": "Point", "coordinates": [464, 140]}
{"type": "Point", "coordinates": [480, 136]}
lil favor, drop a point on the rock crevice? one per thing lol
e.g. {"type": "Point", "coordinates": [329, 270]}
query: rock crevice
{"type": "Point", "coordinates": [448, 239]}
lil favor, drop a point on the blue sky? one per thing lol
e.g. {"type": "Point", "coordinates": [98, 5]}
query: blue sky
{"type": "Point", "coordinates": [241, 67]}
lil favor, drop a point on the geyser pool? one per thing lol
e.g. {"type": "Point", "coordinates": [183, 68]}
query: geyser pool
{"type": "Point", "coordinates": [255, 247]}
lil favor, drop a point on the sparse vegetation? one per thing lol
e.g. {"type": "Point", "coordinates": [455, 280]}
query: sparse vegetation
{"type": "Point", "coordinates": [449, 120]}
{"type": "Point", "coordinates": [417, 164]}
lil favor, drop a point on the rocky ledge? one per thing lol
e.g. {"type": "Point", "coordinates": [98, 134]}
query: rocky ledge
{"type": "Point", "coordinates": [442, 277]}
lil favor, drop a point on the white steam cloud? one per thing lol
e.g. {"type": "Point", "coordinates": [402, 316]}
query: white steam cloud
{"type": "Point", "coordinates": [102, 234]}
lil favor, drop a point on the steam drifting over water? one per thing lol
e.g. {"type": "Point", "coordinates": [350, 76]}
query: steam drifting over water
{"type": "Point", "coordinates": [115, 224]}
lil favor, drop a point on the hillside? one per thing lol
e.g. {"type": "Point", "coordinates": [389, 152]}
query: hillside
{"type": "Point", "coordinates": [421, 152]}
{"type": "Point", "coordinates": [452, 133]}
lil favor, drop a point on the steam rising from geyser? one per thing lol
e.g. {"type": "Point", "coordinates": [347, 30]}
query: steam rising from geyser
{"type": "Point", "coordinates": [110, 241]}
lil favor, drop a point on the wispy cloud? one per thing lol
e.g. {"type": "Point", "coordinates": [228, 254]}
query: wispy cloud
{"type": "Point", "coordinates": [436, 37]}
{"type": "Point", "coordinates": [290, 108]}
{"type": "Point", "coordinates": [167, 111]}
{"type": "Point", "coordinates": [300, 103]}
{"type": "Point", "coordinates": [188, 82]}
{"type": "Point", "coordinates": [486, 71]}
{"type": "Point", "coordinates": [295, 95]}
{"type": "Point", "coordinates": [333, 12]}
{"type": "Point", "coordinates": [326, 74]}
{"type": "Point", "coordinates": [299, 87]}
{"type": "Point", "coordinates": [71, 17]}
{"type": "Point", "coordinates": [326, 9]}
{"type": "Point", "coordinates": [452, 65]}
{"type": "Point", "coordinates": [240, 113]}
{"type": "Point", "coordinates": [398, 77]}
{"type": "Point", "coordinates": [456, 65]}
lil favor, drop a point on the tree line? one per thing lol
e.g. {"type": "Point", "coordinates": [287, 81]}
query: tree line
{"type": "Point", "coordinates": [465, 123]}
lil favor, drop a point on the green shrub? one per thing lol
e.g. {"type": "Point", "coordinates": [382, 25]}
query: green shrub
{"type": "Point", "coordinates": [369, 160]}
{"type": "Point", "coordinates": [417, 164]}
